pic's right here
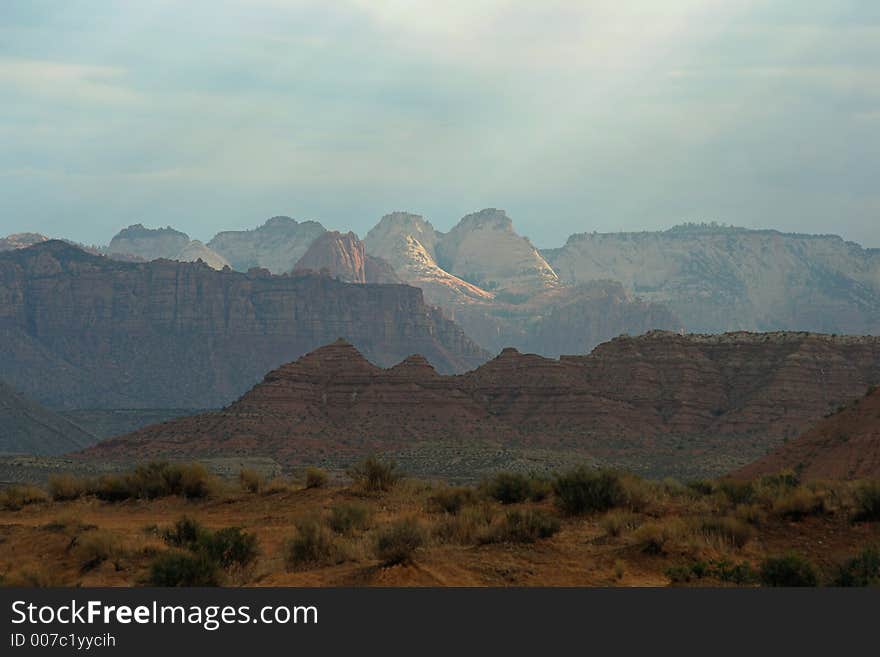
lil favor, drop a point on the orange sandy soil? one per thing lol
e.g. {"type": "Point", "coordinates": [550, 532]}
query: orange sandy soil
{"type": "Point", "coordinates": [43, 538]}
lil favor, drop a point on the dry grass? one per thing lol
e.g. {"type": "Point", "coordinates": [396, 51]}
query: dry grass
{"type": "Point", "coordinates": [332, 535]}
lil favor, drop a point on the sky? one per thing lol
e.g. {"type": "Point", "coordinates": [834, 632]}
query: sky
{"type": "Point", "coordinates": [596, 115]}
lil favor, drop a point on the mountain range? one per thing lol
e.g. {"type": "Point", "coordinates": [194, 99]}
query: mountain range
{"type": "Point", "coordinates": [27, 427]}
{"type": "Point", "coordinates": [662, 402]}
{"type": "Point", "coordinates": [82, 331]}
{"type": "Point", "coordinates": [503, 291]}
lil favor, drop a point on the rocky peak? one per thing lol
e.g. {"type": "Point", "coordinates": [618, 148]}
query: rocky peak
{"type": "Point", "coordinates": [342, 255]}
{"type": "Point", "coordinates": [484, 249]}
{"type": "Point", "coordinates": [277, 245]}
{"type": "Point", "coordinates": [21, 241]}
{"type": "Point", "coordinates": [392, 228]}
{"type": "Point", "coordinates": [168, 243]}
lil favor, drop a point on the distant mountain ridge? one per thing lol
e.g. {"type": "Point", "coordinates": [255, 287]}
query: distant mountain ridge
{"type": "Point", "coordinates": [655, 399]}
{"type": "Point", "coordinates": [29, 428]}
{"type": "Point", "coordinates": [85, 331]}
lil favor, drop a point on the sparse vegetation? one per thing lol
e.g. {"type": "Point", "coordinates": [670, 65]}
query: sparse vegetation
{"type": "Point", "coordinates": [798, 503]}
{"type": "Point", "coordinates": [617, 521]}
{"type": "Point", "coordinates": [312, 545]}
{"type": "Point", "coordinates": [251, 480]}
{"type": "Point", "coordinates": [316, 478]}
{"type": "Point", "coordinates": [509, 487]}
{"type": "Point", "coordinates": [64, 487]}
{"type": "Point", "coordinates": [175, 568]}
{"type": "Point", "coordinates": [584, 491]}
{"type": "Point", "coordinates": [375, 474]}
{"type": "Point", "coordinates": [523, 526]}
{"type": "Point", "coordinates": [18, 496]}
{"type": "Point", "coordinates": [727, 530]}
{"type": "Point", "coordinates": [95, 547]}
{"type": "Point", "coordinates": [347, 518]}
{"type": "Point", "coordinates": [867, 502]}
{"type": "Point", "coordinates": [398, 542]}
{"type": "Point", "coordinates": [861, 570]}
{"type": "Point", "coordinates": [452, 500]}
{"type": "Point", "coordinates": [788, 570]}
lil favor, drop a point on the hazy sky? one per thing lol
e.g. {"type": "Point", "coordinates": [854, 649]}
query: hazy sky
{"type": "Point", "coordinates": [573, 116]}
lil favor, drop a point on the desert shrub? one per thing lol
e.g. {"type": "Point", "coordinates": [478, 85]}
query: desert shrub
{"type": "Point", "coordinates": [737, 492]}
{"type": "Point", "coordinates": [797, 503]}
{"type": "Point", "coordinates": [95, 547]}
{"type": "Point", "coordinates": [452, 499]}
{"type": "Point", "coordinates": [156, 479]}
{"type": "Point", "coordinates": [861, 570]}
{"type": "Point", "coordinates": [655, 537]}
{"type": "Point", "coordinates": [725, 571]}
{"type": "Point", "coordinates": [176, 568]}
{"type": "Point", "coordinates": [788, 570]}
{"type": "Point", "coordinates": [18, 496]}
{"type": "Point", "coordinates": [617, 521]}
{"type": "Point", "coordinates": [63, 487]}
{"type": "Point", "coordinates": [348, 518]}
{"type": "Point", "coordinates": [867, 497]}
{"type": "Point", "coordinates": [228, 547]}
{"type": "Point", "coordinates": [468, 526]}
{"type": "Point", "coordinates": [312, 545]}
{"type": "Point", "coordinates": [785, 480]}
{"type": "Point", "coordinates": [398, 542]}
{"type": "Point", "coordinates": [673, 487]}
{"type": "Point", "coordinates": [509, 487]}
{"type": "Point", "coordinates": [375, 474]}
{"type": "Point", "coordinates": [701, 487]}
{"type": "Point", "coordinates": [316, 478]}
{"type": "Point", "coordinates": [752, 514]}
{"type": "Point", "coordinates": [583, 491]}
{"type": "Point", "coordinates": [34, 577]}
{"type": "Point", "coordinates": [540, 487]}
{"type": "Point", "coordinates": [726, 529]}
{"type": "Point", "coordinates": [251, 480]}
{"type": "Point", "coordinates": [275, 486]}
{"type": "Point", "coordinates": [523, 526]}
{"type": "Point", "coordinates": [185, 533]}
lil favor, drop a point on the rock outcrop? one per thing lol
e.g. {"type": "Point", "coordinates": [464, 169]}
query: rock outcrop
{"type": "Point", "coordinates": [844, 445]}
{"type": "Point", "coordinates": [83, 331]}
{"type": "Point", "coordinates": [721, 279]}
{"type": "Point", "coordinates": [29, 428]}
{"type": "Point", "coordinates": [483, 249]}
{"type": "Point", "coordinates": [155, 243]}
{"type": "Point", "coordinates": [661, 395]}
{"type": "Point", "coordinates": [344, 257]}
{"type": "Point", "coordinates": [277, 245]}
{"type": "Point", "coordinates": [527, 309]}
{"type": "Point", "coordinates": [20, 241]}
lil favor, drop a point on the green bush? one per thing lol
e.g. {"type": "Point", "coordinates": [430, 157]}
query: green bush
{"type": "Point", "coordinates": [375, 474]}
{"type": "Point", "coordinates": [316, 478]}
{"type": "Point", "coordinates": [861, 570]}
{"type": "Point", "coordinates": [398, 542]}
{"type": "Point", "coordinates": [183, 569]}
{"type": "Point", "coordinates": [186, 533]}
{"type": "Point", "coordinates": [540, 488]}
{"type": "Point", "coordinates": [313, 545]}
{"type": "Point", "coordinates": [584, 491]}
{"type": "Point", "coordinates": [509, 487]}
{"type": "Point", "coordinates": [452, 499]}
{"type": "Point", "coordinates": [788, 570]}
{"type": "Point", "coordinates": [868, 502]}
{"type": "Point", "coordinates": [229, 547]}
{"type": "Point", "coordinates": [524, 526]}
{"type": "Point", "coordinates": [348, 518]}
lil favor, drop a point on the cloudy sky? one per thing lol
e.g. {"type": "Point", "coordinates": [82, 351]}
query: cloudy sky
{"type": "Point", "coordinates": [573, 116]}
